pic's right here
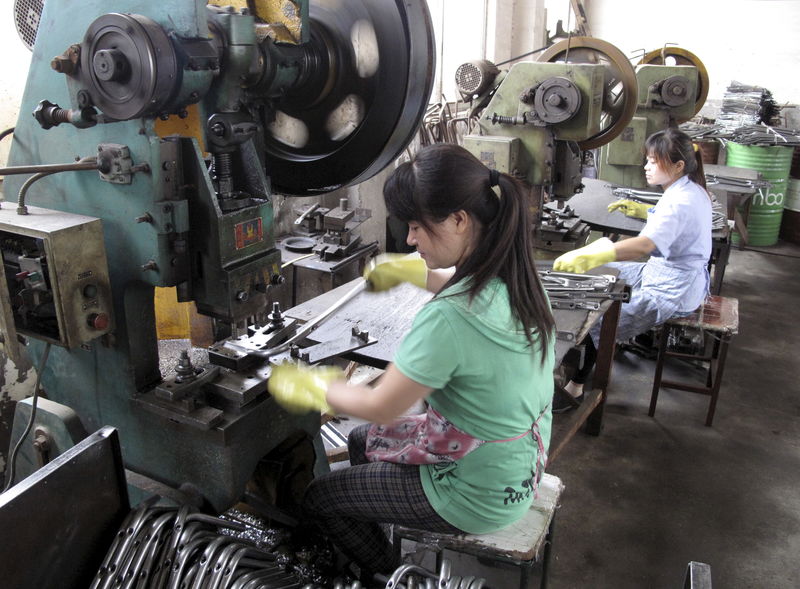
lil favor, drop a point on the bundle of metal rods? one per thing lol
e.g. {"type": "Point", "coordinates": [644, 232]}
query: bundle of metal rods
{"type": "Point", "coordinates": [580, 291]}
{"type": "Point", "coordinates": [744, 105]}
{"type": "Point", "coordinates": [163, 547]}
{"type": "Point", "coordinates": [764, 135]}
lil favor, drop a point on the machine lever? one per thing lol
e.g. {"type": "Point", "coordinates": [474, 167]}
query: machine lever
{"type": "Point", "coordinates": [306, 213]}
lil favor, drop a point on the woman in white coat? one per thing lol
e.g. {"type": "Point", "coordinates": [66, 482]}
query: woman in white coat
{"type": "Point", "coordinates": [676, 236]}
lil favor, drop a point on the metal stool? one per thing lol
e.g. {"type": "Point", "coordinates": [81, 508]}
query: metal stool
{"type": "Point", "coordinates": [524, 543]}
{"type": "Point", "coordinates": [718, 317]}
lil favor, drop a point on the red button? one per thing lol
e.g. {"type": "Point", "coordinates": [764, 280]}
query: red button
{"type": "Point", "coordinates": [99, 321]}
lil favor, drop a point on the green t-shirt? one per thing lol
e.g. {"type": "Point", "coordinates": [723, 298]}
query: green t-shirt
{"type": "Point", "coordinates": [490, 384]}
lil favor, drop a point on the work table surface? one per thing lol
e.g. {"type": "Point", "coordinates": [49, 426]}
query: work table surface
{"type": "Point", "coordinates": [388, 316]}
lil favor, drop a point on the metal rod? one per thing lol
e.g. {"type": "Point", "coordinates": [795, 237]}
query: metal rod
{"type": "Point", "coordinates": [50, 168]}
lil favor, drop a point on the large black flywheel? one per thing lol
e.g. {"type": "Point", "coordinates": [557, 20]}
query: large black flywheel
{"type": "Point", "coordinates": [363, 97]}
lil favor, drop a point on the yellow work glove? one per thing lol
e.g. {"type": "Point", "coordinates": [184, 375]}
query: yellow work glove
{"type": "Point", "coordinates": [388, 270]}
{"type": "Point", "coordinates": [590, 256]}
{"type": "Point", "coordinates": [300, 388]}
{"type": "Point", "coordinates": [631, 208]}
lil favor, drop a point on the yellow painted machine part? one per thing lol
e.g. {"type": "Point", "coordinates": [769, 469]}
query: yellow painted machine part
{"type": "Point", "coordinates": [172, 317]}
{"type": "Point", "coordinates": [282, 17]}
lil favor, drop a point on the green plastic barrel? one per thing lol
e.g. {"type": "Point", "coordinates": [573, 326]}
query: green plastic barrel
{"type": "Point", "coordinates": [766, 208]}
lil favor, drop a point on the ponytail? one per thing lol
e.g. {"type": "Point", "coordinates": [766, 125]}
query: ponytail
{"type": "Point", "coordinates": [445, 178]}
{"type": "Point", "coordinates": [698, 176]}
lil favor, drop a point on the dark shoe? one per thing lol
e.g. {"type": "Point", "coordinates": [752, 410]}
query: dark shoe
{"type": "Point", "coordinates": [564, 402]}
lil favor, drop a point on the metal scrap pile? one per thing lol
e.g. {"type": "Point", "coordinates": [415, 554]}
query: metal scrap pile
{"type": "Point", "coordinates": [764, 135]}
{"type": "Point", "coordinates": [744, 105]}
{"type": "Point", "coordinates": [749, 116]}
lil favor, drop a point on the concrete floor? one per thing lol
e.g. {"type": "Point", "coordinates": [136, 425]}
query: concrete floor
{"type": "Point", "coordinates": [651, 494]}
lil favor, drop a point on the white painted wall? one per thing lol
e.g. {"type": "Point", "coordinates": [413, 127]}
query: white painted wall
{"type": "Point", "coordinates": [13, 72]}
{"type": "Point", "coordinates": [750, 41]}
{"type": "Point", "coordinates": [496, 30]}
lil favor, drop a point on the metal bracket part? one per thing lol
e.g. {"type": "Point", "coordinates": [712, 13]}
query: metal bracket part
{"type": "Point", "coordinates": [117, 160]}
{"type": "Point", "coordinates": [325, 350]}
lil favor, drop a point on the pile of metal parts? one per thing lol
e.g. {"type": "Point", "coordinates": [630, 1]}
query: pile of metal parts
{"type": "Point", "coordinates": [412, 577]}
{"type": "Point", "coordinates": [580, 291]}
{"type": "Point", "coordinates": [176, 547]}
{"type": "Point", "coordinates": [171, 547]}
{"type": "Point", "coordinates": [744, 105]}
{"type": "Point", "coordinates": [765, 135]}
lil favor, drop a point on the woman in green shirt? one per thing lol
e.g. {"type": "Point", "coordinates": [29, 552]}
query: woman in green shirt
{"type": "Point", "coordinates": [480, 353]}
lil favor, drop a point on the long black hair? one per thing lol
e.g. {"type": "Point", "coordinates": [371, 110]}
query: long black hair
{"type": "Point", "coordinates": [671, 146]}
{"type": "Point", "coordinates": [445, 178]}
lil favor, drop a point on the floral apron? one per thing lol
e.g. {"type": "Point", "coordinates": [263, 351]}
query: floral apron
{"type": "Point", "coordinates": [430, 438]}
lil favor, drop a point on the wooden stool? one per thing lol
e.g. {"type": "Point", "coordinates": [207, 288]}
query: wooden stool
{"type": "Point", "coordinates": [523, 543]}
{"type": "Point", "coordinates": [718, 317]}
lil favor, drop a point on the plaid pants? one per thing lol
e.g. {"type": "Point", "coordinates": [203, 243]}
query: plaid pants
{"type": "Point", "coordinates": [348, 505]}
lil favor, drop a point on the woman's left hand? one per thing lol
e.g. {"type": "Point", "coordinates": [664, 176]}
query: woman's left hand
{"type": "Point", "coordinates": [631, 208]}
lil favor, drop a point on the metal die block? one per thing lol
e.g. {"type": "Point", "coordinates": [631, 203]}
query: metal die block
{"type": "Point", "coordinates": [235, 389]}
{"type": "Point", "coordinates": [57, 275]}
{"type": "Point", "coordinates": [202, 417]}
{"type": "Point", "coordinates": [233, 354]}
{"type": "Point", "coordinates": [496, 153]}
{"type": "Point", "coordinates": [627, 149]}
{"type": "Point", "coordinates": [337, 218]}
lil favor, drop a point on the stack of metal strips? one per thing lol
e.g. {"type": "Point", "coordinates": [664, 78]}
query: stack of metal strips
{"type": "Point", "coordinates": [171, 548]}
{"type": "Point", "coordinates": [764, 135]}
{"type": "Point", "coordinates": [744, 105]}
{"type": "Point", "coordinates": [699, 132]}
{"type": "Point", "coordinates": [736, 182]}
{"type": "Point", "coordinates": [580, 291]}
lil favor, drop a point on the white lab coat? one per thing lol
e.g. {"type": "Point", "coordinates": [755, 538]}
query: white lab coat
{"type": "Point", "coordinates": [674, 281]}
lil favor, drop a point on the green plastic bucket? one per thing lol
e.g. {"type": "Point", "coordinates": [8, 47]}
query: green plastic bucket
{"type": "Point", "coordinates": [766, 208]}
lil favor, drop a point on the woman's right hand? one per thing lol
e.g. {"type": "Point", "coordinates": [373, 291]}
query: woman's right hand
{"type": "Point", "coordinates": [388, 270]}
{"type": "Point", "coordinates": [300, 388]}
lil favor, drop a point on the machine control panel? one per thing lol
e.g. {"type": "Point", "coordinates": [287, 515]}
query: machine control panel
{"type": "Point", "coordinates": [56, 286]}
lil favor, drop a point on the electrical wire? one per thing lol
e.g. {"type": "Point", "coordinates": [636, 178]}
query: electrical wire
{"type": "Point", "coordinates": [7, 132]}
{"type": "Point", "coordinates": [13, 457]}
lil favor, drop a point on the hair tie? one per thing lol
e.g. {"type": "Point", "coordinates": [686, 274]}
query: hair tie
{"type": "Point", "coordinates": [494, 178]}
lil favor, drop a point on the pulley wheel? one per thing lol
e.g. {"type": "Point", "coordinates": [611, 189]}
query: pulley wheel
{"type": "Point", "coordinates": [365, 95]}
{"type": "Point", "coordinates": [675, 91]}
{"type": "Point", "coordinates": [620, 87]}
{"type": "Point", "coordinates": [129, 66]}
{"type": "Point", "coordinates": [678, 56]}
{"type": "Point", "coordinates": [556, 100]}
